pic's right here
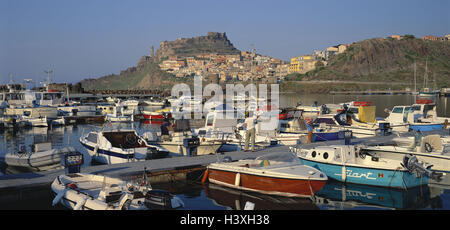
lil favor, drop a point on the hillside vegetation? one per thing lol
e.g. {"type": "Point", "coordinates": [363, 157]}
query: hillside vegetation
{"type": "Point", "coordinates": [389, 60]}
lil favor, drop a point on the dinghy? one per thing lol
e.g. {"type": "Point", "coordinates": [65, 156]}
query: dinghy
{"type": "Point", "coordinates": [42, 157]}
{"type": "Point", "coordinates": [80, 191]}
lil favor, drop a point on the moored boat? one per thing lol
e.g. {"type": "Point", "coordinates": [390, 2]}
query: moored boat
{"type": "Point", "coordinates": [80, 191]}
{"type": "Point", "coordinates": [429, 149]}
{"type": "Point", "coordinates": [276, 174]}
{"type": "Point", "coordinates": [347, 163]}
{"type": "Point", "coordinates": [41, 157]}
{"type": "Point", "coordinates": [119, 146]}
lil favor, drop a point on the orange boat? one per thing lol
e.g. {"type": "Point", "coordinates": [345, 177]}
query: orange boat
{"type": "Point", "coordinates": [276, 174]}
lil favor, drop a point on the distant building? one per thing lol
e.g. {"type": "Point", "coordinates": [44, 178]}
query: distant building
{"type": "Point", "coordinates": [398, 37]}
{"type": "Point", "coordinates": [433, 38]}
{"type": "Point", "coordinates": [447, 37]}
{"type": "Point", "coordinates": [302, 64]}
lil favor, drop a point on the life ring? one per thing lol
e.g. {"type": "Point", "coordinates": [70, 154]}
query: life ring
{"type": "Point", "coordinates": [428, 147]}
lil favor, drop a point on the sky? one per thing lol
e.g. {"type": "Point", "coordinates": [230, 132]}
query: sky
{"type": "Point", "coordinates": [92, 38]}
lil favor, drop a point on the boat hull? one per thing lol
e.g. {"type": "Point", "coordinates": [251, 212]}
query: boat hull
{"type": "Point", "coordinates": [108, 157]}
{"type": "Point", "coordinates": [426, 127]}
{"type": "Point", "coordinates": [203, 149]}
{"type": "Point", "coordinates": [368, 176]}
{"type": "Point", "coordinates": [266, 185]}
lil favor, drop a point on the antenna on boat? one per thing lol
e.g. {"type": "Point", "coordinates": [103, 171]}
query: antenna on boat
{"type": "Point", "coordinates": [48, 72]}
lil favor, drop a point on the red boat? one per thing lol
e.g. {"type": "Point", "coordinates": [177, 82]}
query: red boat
{"type": "Point", "coordinates": [424, 101]}
{"type": "Point", "coordinates": [276, 174]}
{"type": "Point", "coordinates": [155, 115]}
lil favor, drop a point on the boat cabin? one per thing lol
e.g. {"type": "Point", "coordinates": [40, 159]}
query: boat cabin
{"type": "Point", "coordinates": [124, 139]}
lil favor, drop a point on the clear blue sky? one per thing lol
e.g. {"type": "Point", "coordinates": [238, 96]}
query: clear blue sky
{"type": "Point", "coordinates": [92, 38]}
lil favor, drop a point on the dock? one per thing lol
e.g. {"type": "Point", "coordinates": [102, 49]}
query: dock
{"type": "Point", "coordinates": [161, 170]}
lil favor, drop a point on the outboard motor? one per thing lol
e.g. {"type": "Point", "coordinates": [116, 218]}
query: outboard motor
{"type": "Point", "coordinates": [73, 162]}
{"type": "Point", "coordinates": [161, 199]}
{"type": "Point", "coordinates": [413, 165]}
{"type": "Point", "coordinates": [346, 135]}
{"type": "Point", "coordinates": [191, 145]}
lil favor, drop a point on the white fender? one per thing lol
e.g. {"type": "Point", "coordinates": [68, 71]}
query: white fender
{"type": "Point", "coordinates": [58, 197]}
{"type": "Point", "coordinates": [96, 150]}
{"type": "Point", "coordinates": [80, 202]}
{"type": "Point", "coordinates": [237, 180]}
{"type": "Point", "coordinates": [124, 198]}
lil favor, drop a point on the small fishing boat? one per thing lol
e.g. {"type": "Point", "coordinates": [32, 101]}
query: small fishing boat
{"type": "Point", "coordinates": [411, 115]}
{"type": "Point", "coordinates": [275, 173]}
{"type": "Point", "coordinates": [117, 118]}
{"type": "Point", "coordinates": [429, 149]}
{"type": "Point", "coordinates": [36, 121]}
{"type": "Point", "coordinates": [59, 121]}
{"type": "Point", "coordinates": [120, 146]}
{"type": "Point", "coordinates": [347, 163]}
{"type": "Point", "coordinates": [12, 121]}
{"type": "Point", "coordinates": [156, 115]}
{"type": "Point", "coordinates": [80, 191]}
{"type": "Point", "coordinates": [177, 145]}
{"type": "Point", "coordinates": [41, 157]}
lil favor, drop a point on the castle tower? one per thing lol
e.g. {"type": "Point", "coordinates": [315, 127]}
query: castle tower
{"type": "Point", "coordinates": [152, 51]}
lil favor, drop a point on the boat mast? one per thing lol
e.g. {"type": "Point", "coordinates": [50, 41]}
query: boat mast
{"type": "Point", "coordinates": [415, 85]}
{"type": "Point", "coordinates": [425, 77]}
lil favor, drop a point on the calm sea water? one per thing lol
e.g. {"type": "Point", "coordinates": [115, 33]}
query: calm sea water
{"type": "Point", "coordinates": [197, 196]}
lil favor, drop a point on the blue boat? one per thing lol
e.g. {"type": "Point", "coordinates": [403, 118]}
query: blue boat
{"type": "Point", "coordinates": [425, 127]}
{"type": "Point", "coordinates": [347, 163]}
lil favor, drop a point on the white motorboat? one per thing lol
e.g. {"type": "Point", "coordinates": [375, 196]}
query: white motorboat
{"type": "Point", "coordinates": [177, 145]}
{"type": "Point", "coordinates": [80, 191]}
{"type": "Point", "coordinates": [36, 121]}
{"type": "Point", "coordinates": [78, 110]}
{"type": "Point", "coordinates": [120, 146]}
{"type": "Point", "coordinates": [59, 121]}
{"type": "Point", "coordinates": [429, 149]}
{"type": "Point", "coordinates": [33, 112]}
{"type": "Point", "coordinates": [41, 157]}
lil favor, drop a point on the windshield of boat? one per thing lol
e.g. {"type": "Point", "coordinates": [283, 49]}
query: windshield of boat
{"type": "Point", "coordinates": [277, 158]}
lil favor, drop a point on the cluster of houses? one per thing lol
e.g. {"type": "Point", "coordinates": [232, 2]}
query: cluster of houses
{"type": "Point", "coordinates": [244, 66]}
{"type": "Point", "coordinates": [306, 63]}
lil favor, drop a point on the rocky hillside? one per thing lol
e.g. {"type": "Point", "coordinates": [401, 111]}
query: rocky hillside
{"type": "Point", "coordinates": [387, 60]}
{"type": "Point", "coordinates": [147, 74]}
{"type": "Point", "coordinates": [213, 42]}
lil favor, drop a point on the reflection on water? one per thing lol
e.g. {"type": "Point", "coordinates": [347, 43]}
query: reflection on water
{"type": "Point", "coordinates": [196, 196]}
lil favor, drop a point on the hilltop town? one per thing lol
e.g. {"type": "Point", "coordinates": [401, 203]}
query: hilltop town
{"type": "Point", "coordinates": [216, 59]}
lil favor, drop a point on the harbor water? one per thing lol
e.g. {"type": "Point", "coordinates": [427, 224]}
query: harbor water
{"type": "Point", "coordinates": [198, 196]}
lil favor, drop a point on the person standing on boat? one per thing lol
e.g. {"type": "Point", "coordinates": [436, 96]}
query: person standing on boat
{"type": "Point", "coordinates": [250, 127]}
{"type": "Point", "coordinates": [165, 130]}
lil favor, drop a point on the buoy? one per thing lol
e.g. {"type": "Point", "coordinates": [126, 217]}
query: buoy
{"type": "Point", "coordinates": [205, 176]}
